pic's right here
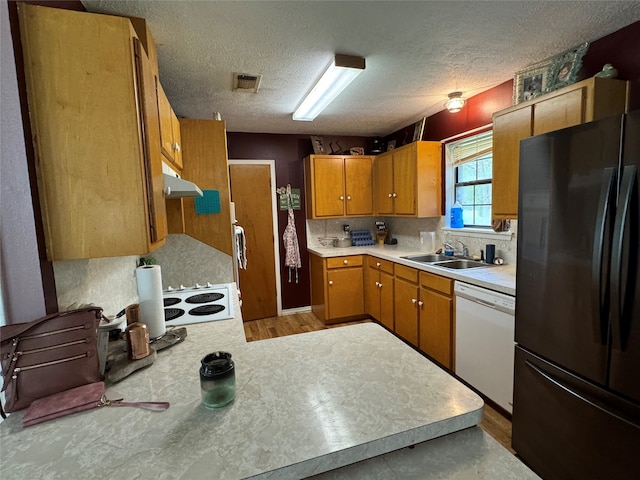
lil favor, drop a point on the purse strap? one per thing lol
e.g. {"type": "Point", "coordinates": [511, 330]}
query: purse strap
{"type": "Point", "coordinates": [10, 331]}
{"type": "Point", "coordinates": [154, 406]}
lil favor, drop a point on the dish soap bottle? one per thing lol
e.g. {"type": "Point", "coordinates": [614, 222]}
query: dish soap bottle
{"type": "Point", "coordinates": [456, 216]}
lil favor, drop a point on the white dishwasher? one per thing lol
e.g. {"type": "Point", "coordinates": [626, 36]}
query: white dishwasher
{"type": "Point", "coordinates": [485, 342]}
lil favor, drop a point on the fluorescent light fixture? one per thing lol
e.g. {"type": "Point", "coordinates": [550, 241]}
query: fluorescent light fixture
{"type": "Point", "coordinates": [455, 102]}
{"type": "Point", "coordinates": [340, 73]}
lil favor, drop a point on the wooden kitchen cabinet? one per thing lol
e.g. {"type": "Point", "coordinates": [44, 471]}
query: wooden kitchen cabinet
{"type": "Point", "coordinates": [338, 186]}
{"type": "Point", "coordinates": [407, 303]}
{"type": "Point", "coordinates": [379, 291]}
{"type": "Point", "coordinates": [436, 318]}
{"type": "Point", "coordinates": [575, 104]}
{"type": "Point", "coordinates": [408, 181]}
{"type": "Point", "coordinates": [337, 288]}
{"type": "Point", "coordinates": [171, 142]}
{"type": "Point", "coordinates": [94, 118]}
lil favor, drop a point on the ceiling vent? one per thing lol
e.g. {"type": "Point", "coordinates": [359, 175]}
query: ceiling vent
{"type": "Point", "coordinates": [245, 82]}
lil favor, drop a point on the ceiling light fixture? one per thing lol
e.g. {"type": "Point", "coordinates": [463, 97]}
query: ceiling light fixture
{"type": "Point", "coordinates": [340, 73]}
{"type": "Point", "coordinates": [455, 102]}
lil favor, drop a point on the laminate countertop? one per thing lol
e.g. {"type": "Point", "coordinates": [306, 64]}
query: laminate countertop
{"type": "Point", "coordinates": [501, 278]}
{"type": "Point", "coordinates": [305, 404]}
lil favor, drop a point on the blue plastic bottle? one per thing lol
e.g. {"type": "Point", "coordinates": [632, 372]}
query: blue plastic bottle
{"type": "Point", "coordinates": [456, 216]}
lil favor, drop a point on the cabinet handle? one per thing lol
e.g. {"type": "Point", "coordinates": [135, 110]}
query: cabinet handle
{"type": "Point", "coordinates": [380, 285]}
{"type": "Point", "coordinates": [377, 284]}
{"type": "Point", "coordinates": [391, 195]}
{"type": "Point", "coordinates": [330, 282]}
{"type": "Point", "coordinates": [346, 262]}
{"type": "Point", "coordinates": [378, 264]}
{"type": "Point", "coordinates": [420, 303]}
{"type": "Point", "coordinates": [341, 197]}
{"type": "Point", "coordinates": [414, 300]}
{"type": "Point", "coordinates": [348, 197]}
{"type": "Point", "coordinates": [395, 195]}
{"type": "Point", "coordinates": [176, 147]}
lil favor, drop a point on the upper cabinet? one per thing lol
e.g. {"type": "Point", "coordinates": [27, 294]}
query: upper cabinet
{"type": "Point", "coordinates": [579, 103]}
{"type": "Point", "coordinates": [169, 130]}
{"type": "Point", "coordinates": [94, 115]}
{"type": "Point", "coordinates": [338, 186]}
{"type": "Point", "coordinates": [408, 181]}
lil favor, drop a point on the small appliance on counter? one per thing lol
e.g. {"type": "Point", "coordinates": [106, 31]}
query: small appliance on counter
{"type": "Point", "coordinates": [200, 303]}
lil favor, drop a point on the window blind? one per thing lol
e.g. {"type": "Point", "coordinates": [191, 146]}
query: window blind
{"type": "Point", "coordinates": [471, 149]}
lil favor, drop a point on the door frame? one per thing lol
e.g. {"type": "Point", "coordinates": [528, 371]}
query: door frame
{"type": "Point", "coordinates": [274, 214]}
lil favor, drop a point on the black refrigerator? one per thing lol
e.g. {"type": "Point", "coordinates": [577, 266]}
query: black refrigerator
{"type": "Point", "coordinates": [576, 411]}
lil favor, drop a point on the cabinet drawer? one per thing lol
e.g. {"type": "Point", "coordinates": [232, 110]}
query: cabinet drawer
{"type": "Point", "coordinates": [407, 273]}
{"type": "Point", "coordinates": [436, 282]}
{"type": "Point", "coordinates": [341, 262]}
{"type": "Point", "coordinates": [379, 264]}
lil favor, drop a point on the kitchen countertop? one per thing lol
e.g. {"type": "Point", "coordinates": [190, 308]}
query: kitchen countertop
{"type": "Point", "coordinates": [499, 278]}
{"type": "Point", "coordinates": [305, 404]}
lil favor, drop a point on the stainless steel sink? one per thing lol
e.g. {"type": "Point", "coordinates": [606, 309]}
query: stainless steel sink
{"type": "Point", "coordinates": [427, 258]}
{"type": "Point", "coordinates": [461, 263]}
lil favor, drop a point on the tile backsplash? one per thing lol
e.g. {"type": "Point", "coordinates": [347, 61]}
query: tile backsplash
{"type": "Point", "coordinates": [110, 282]}
{"type": "Point", "coordinates": [407, 232]}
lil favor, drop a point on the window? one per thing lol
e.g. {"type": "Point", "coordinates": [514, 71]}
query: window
{"type": "Point", "coordinates": [471, 163]}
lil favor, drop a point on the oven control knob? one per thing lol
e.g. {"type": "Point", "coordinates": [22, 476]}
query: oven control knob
{"type": "Point", "coordinates": [170, 288]}
{"type": "Point", "coordinates": [198, 286]}
{"type": "Point", "coordinates": [209, 284]}
{"type": "Point", "coordinates": [181, 287]}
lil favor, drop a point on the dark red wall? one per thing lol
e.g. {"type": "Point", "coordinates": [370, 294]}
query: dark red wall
{"type": "Point", "coordinates": [620, 49]}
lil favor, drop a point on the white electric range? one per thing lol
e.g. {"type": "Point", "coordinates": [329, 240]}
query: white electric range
{"type": "Point", "coordinates": [200, 303]}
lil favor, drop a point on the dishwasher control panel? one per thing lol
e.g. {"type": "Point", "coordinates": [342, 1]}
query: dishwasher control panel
{"type": "Point", "coordinates": [500, 301]}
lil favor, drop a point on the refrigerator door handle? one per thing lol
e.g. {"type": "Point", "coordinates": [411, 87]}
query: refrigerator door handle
{"type": "Point", "coordinates": [618, 286]}
{"type": "Point", "coordinates": [599, 300]}
{"type": "Point", "coordinates": [548, 377]}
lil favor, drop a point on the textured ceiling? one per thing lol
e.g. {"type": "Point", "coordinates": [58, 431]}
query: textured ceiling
{"type": "Point", "coordinates": [416, 53]}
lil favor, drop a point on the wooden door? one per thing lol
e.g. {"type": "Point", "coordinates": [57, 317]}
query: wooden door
{"type": "Point", "coordinates": [386, 300]}
{"type": "Point", "coordinates": [559, 112]}
{"type": "Point", "coordinates": [345, 287]}
{"type": "Point", "coordinates": [406, 310]}
{"type": "Point", "coordinates": [384, 183]}
{"type": "Point", "coordinates": [436, 326]}
{"type": "Point", "coordinates": [372, 290]}
{"type": "Point", "coordinates": [252, 192]}
{"type": "Point", "coordinates": [508, 130]}
{"type": "Point", "coordinates": [404, 181]}
{"type": "Point", "coordinates": [358, 186]}
{"type": "Point", "coordinates": [166, 125]}
{"type": "Point", "coordinates": [328, 188]}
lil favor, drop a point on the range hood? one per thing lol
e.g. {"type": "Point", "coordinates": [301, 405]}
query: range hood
{"type": "Point", "coordinates": [176, 187]}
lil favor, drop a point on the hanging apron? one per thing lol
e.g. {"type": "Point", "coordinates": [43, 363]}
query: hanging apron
{"type": "Point", "coordinates": [290, 239]}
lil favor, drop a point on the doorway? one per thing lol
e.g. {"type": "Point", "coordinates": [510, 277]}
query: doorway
{"type": "Point", "coordinates": [253, 193]}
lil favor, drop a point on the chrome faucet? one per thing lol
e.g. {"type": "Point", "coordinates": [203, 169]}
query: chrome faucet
{"type": "Point", "coordinates": [464, 251]}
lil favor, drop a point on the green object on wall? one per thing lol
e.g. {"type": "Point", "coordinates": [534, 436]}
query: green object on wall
{"type": "Point", "coordinates": [208, 203]}
{"type": "Point", "coordinates": [295, 200]}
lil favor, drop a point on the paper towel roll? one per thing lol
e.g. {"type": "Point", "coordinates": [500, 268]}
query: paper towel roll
{"type": "Point", "coordinates": [149, 279]}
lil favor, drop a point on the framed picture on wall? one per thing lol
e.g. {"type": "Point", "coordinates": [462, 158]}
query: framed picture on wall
{"type": "Point", "coordinates": [419, 129]}
{"type": "Point", "coordinates": [565, 67]}
{"type": "Point", "coordinates": [318, 145]}
{"type": "Point", "coordinates": [531, 82]}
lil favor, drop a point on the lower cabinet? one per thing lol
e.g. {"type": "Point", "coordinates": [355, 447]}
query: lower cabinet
{"type": "Point", "coordinates": [436, 318]}
{"type": "Point", "coordinates": [337, 288]}
{"type": "Point", "coordinates": [379, 297]}
{"type": "Point", "coordinates": [407, 305]}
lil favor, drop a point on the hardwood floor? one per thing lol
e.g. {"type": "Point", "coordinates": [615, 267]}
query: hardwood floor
{"type": "Point", "coordinates": [493, 422]}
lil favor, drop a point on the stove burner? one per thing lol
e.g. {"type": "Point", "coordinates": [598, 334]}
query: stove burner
{"type": "Point", "coordinates": [172, 313]}
{"type": "Point", "coordinates": [205, 298]}
{"type": "Point", "coordinates": [170, 301]}
{"type": "Point", "coordinates": [206, 310]}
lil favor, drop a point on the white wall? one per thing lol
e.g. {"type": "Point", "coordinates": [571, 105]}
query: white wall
{"type": "Point", "coordinates": [22, 293]}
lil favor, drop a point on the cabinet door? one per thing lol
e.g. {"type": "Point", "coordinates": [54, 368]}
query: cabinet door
{"type": "Point", "coordinates": [177, 141]}
{"type": "Point", "coordinates": [345, 287]}
{"type": "Point", "coordinates": [436, 326]}
{"type": "Point", "coordinates": [358, 186]}
{"type": "Point", "coordinates": [384, 183]}
{"type": "Point", "coordinates": [328, 188]}
{"type": "Point", "coordinates": [373, 293]}
{"type": "Point", "coordinates": [404, 181]}
{"type": "Point", "coordinates": [166, 125]}
{"type": "Point", "coordinates": [559, 112]}
{"type": "Point", "coordinates": [406, 310]}
{"type": "Point", "coordinates": [386, 300]}
{"type": "Point", "coordinates": [508, 130]}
